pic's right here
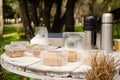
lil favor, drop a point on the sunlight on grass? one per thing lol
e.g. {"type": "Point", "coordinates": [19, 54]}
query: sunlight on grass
{"type": "Point", "coordinates": [79, 29]}
{"type": "Point", "coordinates": [12, 35]}
{"type": "Point", "coordinates": [9, 35]}
{"type": "Point", "coordinates": [7, 38]}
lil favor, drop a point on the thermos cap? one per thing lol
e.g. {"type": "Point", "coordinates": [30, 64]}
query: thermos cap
{"type": "Point", "coordinates": [89, 22]}
{"type": "Point", "coordinates": [90, 19]}
{"type": "Point", "coordinates": [107, 18]}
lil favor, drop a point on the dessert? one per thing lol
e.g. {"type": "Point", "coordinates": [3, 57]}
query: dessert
{"type": "Point", "coordinates": [55, 59]}
{"type": "Point", "coordinates": [14, 50]}
{"type": "Point", "coordinates": [36, 50]}
{"type": "Point", "coordinates": [15, 53]}
{"type": "Point", "coordinates": [72, 56]}
{"type": "Point", "coordinates": [52, 60]}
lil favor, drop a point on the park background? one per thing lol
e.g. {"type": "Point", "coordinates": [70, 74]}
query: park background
{"type": "Point", "coordinates": [18, 19]}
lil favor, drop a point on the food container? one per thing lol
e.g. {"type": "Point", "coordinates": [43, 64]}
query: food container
{"type": "Point", "coordinates": [117, 45]}
{"type": "Point", "coordinates": [36, 50]}
{"type": "Point", "coordinates": [73, 39]}
{"type": "Point", "coordinates": [19, 43]}
{"type": "Point", "coordinates": [73, 53]}
{"type": "Point", "coordinates": [88, 56]}
{"type": "Point", "coordinates": [15, 50]}
{"type": "Point", "coordinates": [54, 58]}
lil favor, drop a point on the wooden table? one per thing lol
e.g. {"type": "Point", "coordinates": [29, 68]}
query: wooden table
{"type": "Point", "coordinates": [32, 67]}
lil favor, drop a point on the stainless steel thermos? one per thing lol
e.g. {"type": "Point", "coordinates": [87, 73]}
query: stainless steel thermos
{"type": "Point", "coordinates": [107, 32]}
{"type": "Point", "coordinates": [89, 32]}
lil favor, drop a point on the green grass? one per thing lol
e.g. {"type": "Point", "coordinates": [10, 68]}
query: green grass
{"type": "Point", "coordinates": [79, 28]}
{"type": "Point", "coordinates": [116, 32]}
{"type": "Point", "coordinates": [9, 34]}
{"type": "Point", "coordinates": [8, 30]}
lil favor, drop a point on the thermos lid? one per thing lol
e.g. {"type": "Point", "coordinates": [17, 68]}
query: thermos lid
{"type": "Point", "coordinates": [89, 22]}
{"type": "Point", "coordinates": [107, 18]}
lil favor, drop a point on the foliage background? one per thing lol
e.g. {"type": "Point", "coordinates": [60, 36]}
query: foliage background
{"type": "Point", "coordinates": [12, 11]}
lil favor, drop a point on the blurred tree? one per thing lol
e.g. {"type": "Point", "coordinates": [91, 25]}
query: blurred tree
{"type": "Point", "coordinates": [67, 18]}
{"type": "Point", "coordinates": [33, 8]}
{"type": "Point", "coordinates": [11, 10]}
{"type": "Point", "coordinates": [8, 12]}
{"type": "Point", "coordinates": [1, 19]}
{"type": "Point", "coordinates": [91, 6]}
{"type": "Point", "coordinates": [65, 12]}
{"type": "Point", "coordinates": [26, 19]}
{"type": "Point", "coordinates": [15, 7]}
{"type": "Point", "coordinates": [48, 5]}
{"type": "Point", "coordinates": [69, 21]}
{"type": "Point", "coordinates": [56, 23]}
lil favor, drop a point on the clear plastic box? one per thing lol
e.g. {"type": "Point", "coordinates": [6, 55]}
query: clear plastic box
{"type": "Point", "coordinates": [19, 43]}
{"type": "Point", "coordinates": [36, 50]}
{"type": "Point", "coordinates": [15, 50]}
{"type": "Point", "coordinates": [73, 39]}
{"type": "Point", "coordinates": [54, 58]}
{"type": "Point", "coordinates": [87, 56]}
{"type": "Point", "coordinates": [73, 55]}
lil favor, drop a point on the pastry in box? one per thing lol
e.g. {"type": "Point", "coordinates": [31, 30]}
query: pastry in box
{"type": "Point", "coordinates": [15, 50]}
{"type": "Point", "coordinates": [36, 50]}
{"type": "Point", "coordinates": [54, 58]}
{"type": "Point", "coordinates": [72, 56]}
{"type": "Point", "coordinates": [29, 46]}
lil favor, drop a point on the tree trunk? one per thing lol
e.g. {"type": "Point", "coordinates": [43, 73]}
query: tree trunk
{"type": "Point", "coordinates": [41, 9]}
{"type": "Point", "coordinates": [56, 24]}
{"type": "Point", "coordinates": [26, 19]}
{"type": "Point", "coordinates": [69, 24]}
{"type": "Point", "coordinates": [34, 5]}
{"type": "Point", "coordinates": [1, 19]}
{"type": "Point", "coordinates": [91, 6]}
{"type": "Point", "coordinates": [109, 6]}
{"type": "Point", "coordinates": [48, 6]}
